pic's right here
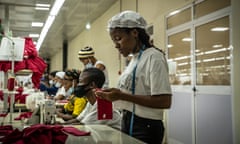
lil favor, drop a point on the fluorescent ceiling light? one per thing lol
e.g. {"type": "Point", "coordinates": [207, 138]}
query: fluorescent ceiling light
{"type": "Point", "coordinates": [220, 29]}
{"type": "Point", "coordinates": [42, 5]}
{"type": "Point", "coordinates": [217, 46]}
{"type": "Point", "coordinates": [174, 12]}
{"type": "Point", "coordinates": [34, 35]}
{"type": "Point", "coordinates": [187, 39]}
{"type": "Point", "coordinates": [54, 11]}
{"type": "Point", "coordinates": [169, 45]}
{"type": "Point", "coordinates": [42, 8]}
{"type": "Point", "coordinates": [56, 7]}
{"type": "Point", "coordinates": [37, 24]}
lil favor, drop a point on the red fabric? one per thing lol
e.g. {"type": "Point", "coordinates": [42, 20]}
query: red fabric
{"type": "Point", "coordinates": [75, 131]}
{"type": "Point", "coordinates": [14, 137]}
{"type": "Point", "coordinates": [31, 61]}
{"type": "Point", "coordinates": [24, 115]}
{"type": "Point", "coordinates": [1, 95]}
{"type": "Point", "coordinates": [104, 109]}
{"type": "Point", "coordinates": [45, 134]}
{"type": "Point", "coordinates": [19, 97]}
{"type": "Point", "coordinates": [3, 114]}
{"type": "Point", "coordinates": [5, 130]}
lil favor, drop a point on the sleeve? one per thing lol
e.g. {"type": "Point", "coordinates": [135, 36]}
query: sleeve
{"type": "Point", "coordinates": [84, 112]}
{"type": "Point", "coordinates": [159, 78]}
{"type": "Point", "coordinates": [79, 105]}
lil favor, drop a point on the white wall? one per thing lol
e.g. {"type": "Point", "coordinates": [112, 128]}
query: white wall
{"type": "Point", "coordinates": [56, 61]}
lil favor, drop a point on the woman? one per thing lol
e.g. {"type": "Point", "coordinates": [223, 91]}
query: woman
{"type": "Point", "coordinates": [143, 88]}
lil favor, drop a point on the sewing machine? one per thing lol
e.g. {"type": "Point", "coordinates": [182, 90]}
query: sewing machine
{"type": "Point", "coordinates": [47, 112]}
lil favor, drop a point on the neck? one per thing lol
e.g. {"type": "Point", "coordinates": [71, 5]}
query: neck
{"type": "Point", "coordinates": [91, 98]}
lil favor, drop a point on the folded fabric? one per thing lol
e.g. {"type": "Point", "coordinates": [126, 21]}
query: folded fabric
{"type": "Point", "coordinates": [3, 114]}
{"type": "Point", "coordinates": [5, 130]}
{"type": "Point", "coordinates": [39, 133]}
{"type": "Point", "coordinates": [14, 137]}
{"type": "Point", "coordinates": [74, 131]}
{"type": "Point", "coordinates": [24, 115]}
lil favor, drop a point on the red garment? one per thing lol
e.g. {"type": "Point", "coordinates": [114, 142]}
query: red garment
{"type": "Point", "coordinates": [5, 130]}
{"type": "Point", "coordinates": [19, 97]}
{"type": "Point", "coordinates": [104, 109]}
{"type": "Point", "coordinates": [24, 115]}
{"type": "Point", "coordinates": [75, 131]}
{"type": "Point", "coordinates": [45, 134]}
{"type": "Point", "coordinates": [31, 61]}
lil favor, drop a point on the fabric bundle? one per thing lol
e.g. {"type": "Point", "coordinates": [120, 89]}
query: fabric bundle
{"type": "Point", "coordinates": [30, 61]}
{"type": "Point", "coordinates": [39, 133]}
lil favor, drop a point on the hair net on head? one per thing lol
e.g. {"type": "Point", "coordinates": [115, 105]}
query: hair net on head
{"type": "Point", "coordinates": [127, 19]}
{"type": "Point", "coordinates": [60, 74]}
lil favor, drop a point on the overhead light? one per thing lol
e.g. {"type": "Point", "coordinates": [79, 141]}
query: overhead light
{"type": "Point", "coordinates": [217, 46]}
{"type": "Point", "coordinates": [88, 26]}
{"type": "Point", "coordinates": [42, 6]}
{"type": "Point", "coordinates": [169, 45]}
{"type": "Point", "coordinates": [34, 35]}
{"type": "Point", "coordinates": [174, 12]}
{"type": "Point", "coordinates": [37, 24]}
{"type": "Point", "coordinates": [56, 7]}
{"type": "Point", "coordinates": [187, 39]}
{"type": "Point", "coordinates": [220, 29]}
{"type": "Point", "coordinates": [54, 11]}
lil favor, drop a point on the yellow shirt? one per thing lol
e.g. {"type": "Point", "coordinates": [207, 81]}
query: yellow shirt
{"type": "Point", "coordinates": [75, 105]}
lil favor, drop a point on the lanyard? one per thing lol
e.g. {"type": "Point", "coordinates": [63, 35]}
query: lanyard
{"type": "Point", "coordinates": [133, 90]}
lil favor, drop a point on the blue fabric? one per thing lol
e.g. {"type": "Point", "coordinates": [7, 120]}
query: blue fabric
{"type": "Point", "coordinates": [50, 90]}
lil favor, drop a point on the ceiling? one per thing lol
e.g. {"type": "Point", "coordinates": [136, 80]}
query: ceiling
{"type": "Point", "coordinates": [18, 15]}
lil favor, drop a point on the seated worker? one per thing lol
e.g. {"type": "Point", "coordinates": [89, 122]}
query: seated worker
{"type": "Point", "coordinates": [75, 104]}
{"type": "Point", "coordinates": [91, 79]}
{"type": "Point", "coordinates": [50, 87]}
{"type": "Point", "coordinates": [61, 93]}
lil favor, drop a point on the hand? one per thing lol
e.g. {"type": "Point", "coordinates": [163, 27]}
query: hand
{"type": "Point", "coordinates": [111, 94]}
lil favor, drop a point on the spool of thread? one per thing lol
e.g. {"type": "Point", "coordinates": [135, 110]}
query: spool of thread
{"type": "Point", "coordinates": [11, 83]}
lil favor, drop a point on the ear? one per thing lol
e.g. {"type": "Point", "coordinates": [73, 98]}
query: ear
{"type": "Point", "coordinates": [92, 85]}
{"type": "Point", "coordinates": [134, 33]}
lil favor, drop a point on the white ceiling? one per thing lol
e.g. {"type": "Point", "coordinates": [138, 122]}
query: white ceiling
{"type": "Point", "coordinates": [17, 16]}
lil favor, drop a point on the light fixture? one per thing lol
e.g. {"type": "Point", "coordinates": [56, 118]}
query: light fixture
{"type": "Point", "coordinates": [88, 26]}
{"type": "Point", "coordinates": [42, 6]}
{"type": "Point", "coordinates": [34, 35]}
{"type": "Point", "coordinates": [169, 45]}
{"type": "Point", "coordinates": [187, 39]}
{"type": "Point", "coordinates": [37, 24]}
{"type": "Point", "coordinates": [174, 12]}
{"type": "Point", "coordinates": [54, 11]}
{"type": "Point", "coordinates": [220, 29]}
{"type": "Point", "coordinates": [217, 46]}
